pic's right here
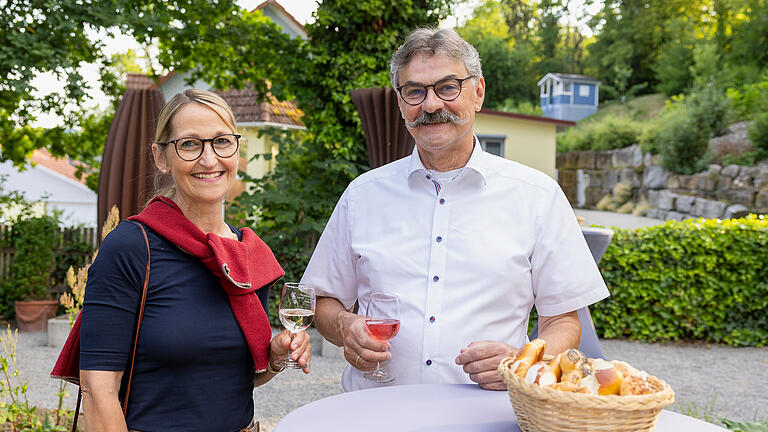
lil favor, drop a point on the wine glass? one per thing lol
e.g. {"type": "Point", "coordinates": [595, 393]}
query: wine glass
{"type": "Point", "coordinates": [383, 323]}
{"type": "Point", "coordinates": [297, 309]}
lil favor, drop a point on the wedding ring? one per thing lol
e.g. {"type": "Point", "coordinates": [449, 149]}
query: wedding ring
{"type": "Point", "coordinates": [357, 359]}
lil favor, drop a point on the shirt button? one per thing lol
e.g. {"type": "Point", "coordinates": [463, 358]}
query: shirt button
{"type": "Point", "coordinates": [428, 177]}
{"type": "Point", "coordinates": [442, 201]}
{"type": "Point", "coordinates": [432, 319]}
{"type": "Point", "coordinates": [436, 278]}
{"type": "Point", "coordinates": [429, 362]}
{"type": "Point", "coordinates": [439, 239]}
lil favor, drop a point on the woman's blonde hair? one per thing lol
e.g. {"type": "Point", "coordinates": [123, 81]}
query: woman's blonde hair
{"type": "Point", "coordinates": [163, 131]}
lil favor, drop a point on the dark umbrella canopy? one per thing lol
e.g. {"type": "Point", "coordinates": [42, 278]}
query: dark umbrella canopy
{"type": "Point", "coordinates": [386, 137]}
{"type": "Point", "coordinates": [127, 167]}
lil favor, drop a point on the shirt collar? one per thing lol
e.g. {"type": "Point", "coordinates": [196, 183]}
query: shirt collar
{"type": "Point", "coordinates": [476, 162]}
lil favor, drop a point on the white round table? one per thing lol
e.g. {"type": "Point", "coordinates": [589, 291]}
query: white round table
{"type": "Point", "coordinates": [431, 408]}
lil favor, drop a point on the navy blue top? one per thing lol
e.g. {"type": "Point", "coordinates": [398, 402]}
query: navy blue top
{"type": "Point", "coordinates": [193, 369]}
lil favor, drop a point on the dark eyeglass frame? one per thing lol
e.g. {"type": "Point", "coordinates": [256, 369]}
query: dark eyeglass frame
{"type": "Point", "coordinates": [426, 90]}
{"type": "Point", "coordinates": [202, 147]}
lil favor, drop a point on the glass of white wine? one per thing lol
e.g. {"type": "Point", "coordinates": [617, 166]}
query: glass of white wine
{"type": "Point", "coordinates": [297, 309]}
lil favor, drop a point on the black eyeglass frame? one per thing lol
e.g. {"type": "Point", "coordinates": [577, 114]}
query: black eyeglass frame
{"type": "Point", "coordinates": [426, 90]}
{"type": "Point", "coordinates": [202, 148]}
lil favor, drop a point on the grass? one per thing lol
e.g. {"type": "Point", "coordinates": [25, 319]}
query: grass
{"type": "Point", "coordinates": [707, 413]}
{"type": "Point", "coordinates": [641, 108]}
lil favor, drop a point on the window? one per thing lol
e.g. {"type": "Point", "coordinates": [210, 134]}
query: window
{"type": "Point", "coordinates": [567, 87]}
{"type": "Point", "coordinates": [492, 144]}
{"type": "Point", "coordinates": [583, 91]}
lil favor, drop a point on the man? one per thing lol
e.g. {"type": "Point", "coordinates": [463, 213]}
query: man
{"type": "Point", "coordinates": [467, 240]}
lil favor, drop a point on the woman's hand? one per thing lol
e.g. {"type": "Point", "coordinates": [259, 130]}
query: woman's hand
{"type": "Point", "coordinates": [299, 346]}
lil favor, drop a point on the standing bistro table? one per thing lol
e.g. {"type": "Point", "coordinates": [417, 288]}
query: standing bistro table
{"type": "Point", "coordinates": [431, 408]}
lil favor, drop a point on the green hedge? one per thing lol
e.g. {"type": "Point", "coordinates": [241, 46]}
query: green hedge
{"type": "Point", "coordinates": [703, 280]}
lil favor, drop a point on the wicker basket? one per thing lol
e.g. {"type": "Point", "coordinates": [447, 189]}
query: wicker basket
{"type": "Point", "coordinates": [542, 409]}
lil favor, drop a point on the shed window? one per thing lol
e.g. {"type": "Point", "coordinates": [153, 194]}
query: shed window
{"type": "Point", "coordinates": [567, 86]}
{"type": "Point", "coordinates": [584, 91]}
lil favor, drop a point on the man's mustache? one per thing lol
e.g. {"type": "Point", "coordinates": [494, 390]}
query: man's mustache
{"type": "Point", "coordinates": [439, 116]}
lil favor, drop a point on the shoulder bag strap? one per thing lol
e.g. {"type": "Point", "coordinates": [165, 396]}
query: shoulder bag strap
{"type": "Point", "coordinates": [135, 340]}
{"type": "Point", "coordinates": [138, 322]}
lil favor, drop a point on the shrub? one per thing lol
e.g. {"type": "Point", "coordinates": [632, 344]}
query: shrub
{"type": "Point", "coordinates": [682, 132]}
{"type": "Point", "coordinates": [749, 99]}
{"type": "Point", "coordinates": [758, 134]}
{"type": "Point", "coordinates": [30, 275]}
{"type": "Point", "coordinates": [702, 280]}
{"type": "Point", "coordinates": [610, 133]}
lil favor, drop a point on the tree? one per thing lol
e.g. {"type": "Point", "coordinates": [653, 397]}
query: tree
{"type": "Point", "coordinates": [508, 61]}
{"type": "Point", "coordinates": [55, 36]}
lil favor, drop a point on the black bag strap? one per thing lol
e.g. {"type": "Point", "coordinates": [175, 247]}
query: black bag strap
{"type": "Point", "coordinates": [142, 303]}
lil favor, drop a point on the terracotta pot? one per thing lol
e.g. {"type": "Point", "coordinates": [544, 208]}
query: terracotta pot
{"type": "Point", "coordinates": [33, 315]}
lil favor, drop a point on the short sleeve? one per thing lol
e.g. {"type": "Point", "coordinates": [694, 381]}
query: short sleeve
{"type": "Point", "coordinates": [112, 296]}
{"type": "Point", "coordinates": [332, 266]}
{"type": "Point", "coordinates": [565, 276]}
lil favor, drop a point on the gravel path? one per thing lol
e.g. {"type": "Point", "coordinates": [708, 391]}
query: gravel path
{"type": "Point", "coordinates": [711, 382]}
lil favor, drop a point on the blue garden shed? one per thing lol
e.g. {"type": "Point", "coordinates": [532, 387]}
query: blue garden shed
{"type": "Point", "coordinates": [568, 96]}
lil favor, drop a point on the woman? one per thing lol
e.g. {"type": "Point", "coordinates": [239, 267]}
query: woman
{"type": "Point", "coordinates": [205, 338]}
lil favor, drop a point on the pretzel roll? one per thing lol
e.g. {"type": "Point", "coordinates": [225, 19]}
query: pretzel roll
{"type": "Point", "coordinates": [555, 365]}
{"type": "Point", "coordinates": [571, 360]}
{"type": "Point", "coordinates": [608, 377]}
{"type": "Point", "coordinates": [540, 373]}
{"type": "Point", "coordinates": [530, 354]}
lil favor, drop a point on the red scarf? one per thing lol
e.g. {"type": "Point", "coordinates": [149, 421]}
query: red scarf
{"type": "Point", "coordinates": [242, 267]}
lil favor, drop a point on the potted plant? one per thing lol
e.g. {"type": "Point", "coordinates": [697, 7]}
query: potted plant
{"type": "Point", "coordinates": [30, 275]}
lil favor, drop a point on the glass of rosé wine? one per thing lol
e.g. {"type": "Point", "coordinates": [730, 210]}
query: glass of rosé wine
{"type": "Point", "coordinates": [297, 309]}
{"type": "Point", "coordinates": [383, 323]}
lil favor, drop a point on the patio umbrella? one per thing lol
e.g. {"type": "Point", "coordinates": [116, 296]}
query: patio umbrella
{"type": "Point", "coordinates": [386, 137]}
{"type": "Point", "coordinates": [127, 167]}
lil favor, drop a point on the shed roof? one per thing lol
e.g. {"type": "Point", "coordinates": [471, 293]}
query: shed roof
{"type": "Point", "coordinates": [528, 117]}
{"type": "Point", "coordinates": [574, 77]}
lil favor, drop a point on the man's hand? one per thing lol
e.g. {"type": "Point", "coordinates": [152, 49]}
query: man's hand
{"type": "Point", "coordinates": [360, 350]}
{"type": "Point", "coordinates": [480, 360]}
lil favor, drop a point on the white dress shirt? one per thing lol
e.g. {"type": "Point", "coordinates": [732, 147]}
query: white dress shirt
{"type": "Point", "coordinates": [467, 262]}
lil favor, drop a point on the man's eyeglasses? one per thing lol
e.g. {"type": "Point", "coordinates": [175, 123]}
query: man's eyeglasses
{"type": "Point", "coordinates": [191, 148]}
{"type": "Point", "coordinates": [446, 89]}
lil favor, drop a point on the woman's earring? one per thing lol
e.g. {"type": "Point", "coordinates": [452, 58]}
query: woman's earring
{"type": "Point", "coordinates": [165, 171]}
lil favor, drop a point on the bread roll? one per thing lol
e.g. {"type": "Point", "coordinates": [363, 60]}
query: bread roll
{"type": "Point", "coordinates": [607, 376]}
{"type": "Point", "coordinates": [540, 373]}
{"type": "Point", "coordinates": [555, 365]}
{"type": "Point", "coordinates": [571, 360]}
{"type": "Point", "coordinates": [571, 387]}
{"type": "Point", "coordinates": [530, 354]}
{"type": "Point", "coordinates": [625, 368]}
{"type": "Point", "coordinates": [590, 383]}
{"type": "Point", "coordinates": [577, 374]}
{"type": "Point", "coordinates": [640, 384]}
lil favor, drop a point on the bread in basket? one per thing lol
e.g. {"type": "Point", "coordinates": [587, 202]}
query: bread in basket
{"type": "Point", "coordinates": [541, 408]}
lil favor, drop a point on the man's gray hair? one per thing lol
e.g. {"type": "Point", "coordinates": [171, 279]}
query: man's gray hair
{"type": "Point", "coordinates": [430, 41]}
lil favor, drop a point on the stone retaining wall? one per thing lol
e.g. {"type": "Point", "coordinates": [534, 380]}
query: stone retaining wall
{"type": "Point", "coordinates": [720, 192]}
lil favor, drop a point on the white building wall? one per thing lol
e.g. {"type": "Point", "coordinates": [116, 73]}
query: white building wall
{"type": "Point", "coordinates": [55, 191]}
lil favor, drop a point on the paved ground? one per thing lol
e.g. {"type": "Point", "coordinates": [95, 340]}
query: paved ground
{"type": "Point", "coordinates": [610, 220]}
{"type": "Point", "coordinates": [711, 382]}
